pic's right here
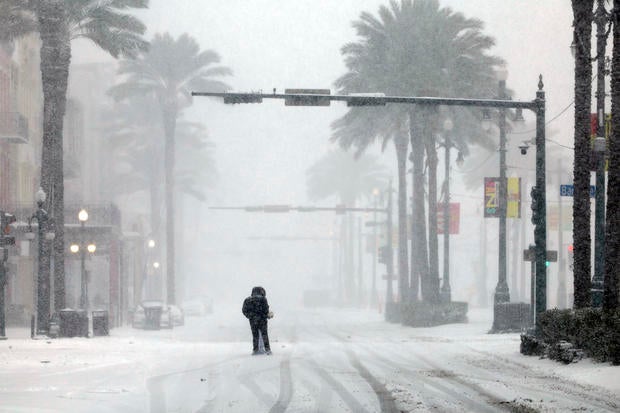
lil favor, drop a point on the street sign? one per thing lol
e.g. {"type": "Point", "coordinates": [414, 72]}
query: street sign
{"type": "Point", "coordinates": [307, 100]}
{"type": "Point", "coordinates": [569, 190]}
{"type": "Point", "coordinates": [530, 255]}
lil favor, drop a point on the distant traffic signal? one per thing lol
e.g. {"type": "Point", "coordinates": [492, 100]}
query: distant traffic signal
{"type": "Point", "coordinates": [384, 254]}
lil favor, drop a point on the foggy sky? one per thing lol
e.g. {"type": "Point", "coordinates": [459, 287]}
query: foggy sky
{"type": "Point", "coordinates": [263, 151]}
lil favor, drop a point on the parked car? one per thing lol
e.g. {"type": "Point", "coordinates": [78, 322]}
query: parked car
{"type": "Point", "coordinates": [166, 320]}
{"type": "Point", "coordinates": [178, 317]}
{"type": "Point", "coordinates": [138, 316]}
{"type": "Point", "coordinates": [152, 315]}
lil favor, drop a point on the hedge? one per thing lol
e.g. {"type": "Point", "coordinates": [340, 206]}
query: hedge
{"type": "Point", "coordinates": [593, 331]}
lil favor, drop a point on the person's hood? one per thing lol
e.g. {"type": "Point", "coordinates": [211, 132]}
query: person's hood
{"type": "Point", "coordinates": [258, 291]}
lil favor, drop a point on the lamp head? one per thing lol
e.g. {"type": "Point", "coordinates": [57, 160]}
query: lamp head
{"type": "Point", "coordinates": [83, 215]}
{"type": "Point", "coordinates": [74, 248]}
{"type": "Point", "coordinates": [40, 196]}
{"type": "Point", "coordinates": [91, 248]}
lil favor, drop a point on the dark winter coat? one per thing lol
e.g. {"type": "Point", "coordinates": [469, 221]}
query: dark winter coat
{"type": "Point", "coordinates": [256, 307]}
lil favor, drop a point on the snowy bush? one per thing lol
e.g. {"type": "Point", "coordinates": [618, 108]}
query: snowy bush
{"type": "Point", "coordinates": [594, 332]}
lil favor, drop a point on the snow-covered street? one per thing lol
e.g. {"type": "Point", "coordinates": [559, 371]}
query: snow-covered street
{"type": "Point", "coordinates": [323, 361]}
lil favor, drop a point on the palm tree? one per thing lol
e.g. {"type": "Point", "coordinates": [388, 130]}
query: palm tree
{"type": "Point", "coordinates": [58, 22]}
{"type": "Point", "coordinates": [612, 244]}
{"type": "Point", "coordinates": [414, 47]}
{"type": "Point", "coordinates": [349, 178]}
{"type": "Point", "coordinates": [170, 71]}
{"type": "Point", "coordinates": [582, 12]}
{"type": "Point", "coordinates": [137, 155]}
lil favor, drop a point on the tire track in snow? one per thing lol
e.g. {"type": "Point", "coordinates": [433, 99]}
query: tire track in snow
{"type": "Point", "coordinates": [338, 387]}
{"type": "Point", "coordinates": [384, 396]}
{"type": "Point", "coordinates": [386, 400]}
{"type": "Point", "coordinates": [443, 389]}
{"type": "Point", "coordinates": [286, 387]}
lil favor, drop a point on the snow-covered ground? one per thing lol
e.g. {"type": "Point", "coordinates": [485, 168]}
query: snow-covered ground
{"type": "Point", "coordinates": [323, 361]}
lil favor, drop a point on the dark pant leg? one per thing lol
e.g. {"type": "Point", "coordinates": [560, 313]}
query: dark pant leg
{"type": "Point", "coordinates": [263, 331]}
{"type": "Point", "coordinates": [254, 326]}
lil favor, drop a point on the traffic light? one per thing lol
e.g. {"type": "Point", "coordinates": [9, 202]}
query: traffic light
{"type": "Point", "coordinates": [6, 220]}
{"type": "Point", "coordinates": [570, 256]}
{"type": "Point", "coordinates": [535, 206]}
{"type": "Point", "coordinates": [234, 98]}
{"type": "Point", "coordinates": [384, 254]}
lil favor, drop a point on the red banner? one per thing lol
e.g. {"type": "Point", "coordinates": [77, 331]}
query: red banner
{"type": "Point", "coordinates": [455, 217]}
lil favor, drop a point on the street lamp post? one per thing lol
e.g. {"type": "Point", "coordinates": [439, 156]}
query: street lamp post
{"type": "Point", "coordinates": [83, 217]}
{"type": "Point", "coordinates": [446, 294]}
{"type": "Point", "coordinates": [373, 298]}
{"type": "Point", "coordinates": [43, 262]}
{"type": "Point", "coordinates": [601, 19]}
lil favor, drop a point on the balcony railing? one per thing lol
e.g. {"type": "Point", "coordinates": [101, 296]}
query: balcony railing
{"type": "Point", "coordinates": [13, 127]}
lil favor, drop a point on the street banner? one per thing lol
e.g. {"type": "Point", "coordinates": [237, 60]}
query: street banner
{"type": "Point", "coordinates": [455, 217]}
{"type": "Point", "coordinates": [513, 209]}
{"type": "Point", "coordinates": [491, 200]}
{"type": "Point", "coordinates": [491, 197]}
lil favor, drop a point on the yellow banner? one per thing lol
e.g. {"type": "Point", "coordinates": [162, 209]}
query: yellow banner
{"type": "Point", "coordinates": [513, 208]}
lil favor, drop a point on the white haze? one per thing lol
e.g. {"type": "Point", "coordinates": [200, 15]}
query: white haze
{"type": "Point", "coordinates": [263, 151]}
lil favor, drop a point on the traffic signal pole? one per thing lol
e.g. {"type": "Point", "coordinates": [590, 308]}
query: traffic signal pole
{"type": "Point", "coordinates": [320, 97]}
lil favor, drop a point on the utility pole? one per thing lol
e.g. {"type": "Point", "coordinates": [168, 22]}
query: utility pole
{"type": "Point", "coordinates": [502, 294]}
{"type": "Point", "coordinates": [601, 20]}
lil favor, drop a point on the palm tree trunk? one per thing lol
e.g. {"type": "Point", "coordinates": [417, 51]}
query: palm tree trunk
{"type": "Point", "coordinates": [402, 144]}
{"type": "Point", "coordinates": [433, 243]}
{"type": "Point", "coordinates": [55, 60]}
{"type": "Point", "coordinates": [419, 247]}
{"type": "Point", "coordinates": [170, 118]}
{"type": "Point", "coordinates": [155, 198]}
{"type": "Point", "coordinates": [612, 245]}
{"type": "Point", "coordinates": [582, 12]}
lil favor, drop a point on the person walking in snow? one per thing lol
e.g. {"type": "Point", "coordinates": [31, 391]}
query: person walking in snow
{"type": "Point", "coordinates": [256, 310]}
